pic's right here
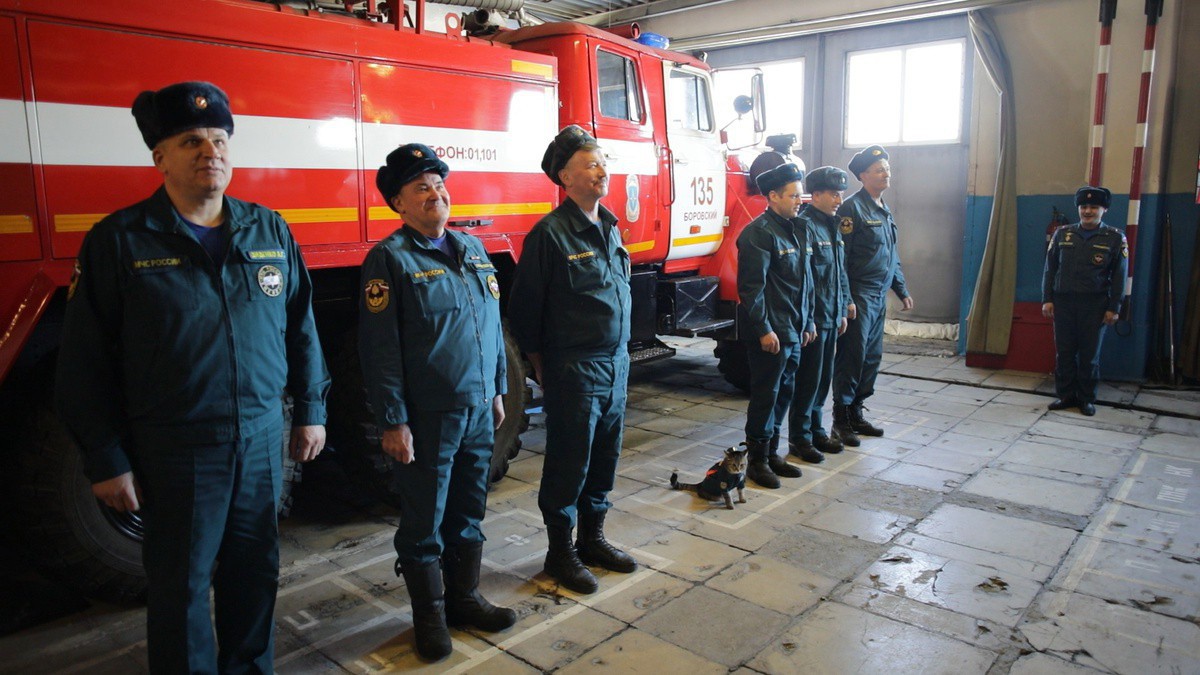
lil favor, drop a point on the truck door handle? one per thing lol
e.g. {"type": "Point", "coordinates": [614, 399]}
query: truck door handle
{"type": "Point", "coordinates": [681, 160]}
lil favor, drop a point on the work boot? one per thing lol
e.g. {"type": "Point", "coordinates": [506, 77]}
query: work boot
{"type": "Point", "coordinates": [779, 465]}
{"type": "Point", "coordinates": [594, 549]}
{"type": "Point", "coordinates": [1087, 409]}
{"type": "Point", "coordinates": [428, 610]}
{"type": "Point", "coordinates": [830, 445]}
{"type": "Point", "coordinates": [842, 428]}
{"type": "Point", "coordinates": [805, 451]}
{"type": "Point", "coordinates": [860, 424]}
{"type": "Point", "coordinates": [1062, 404]}
{"type": "Point", "coordinates": [757, 469]}
{"type": "Point", "coordinates": [464, 605]}
{"type": "Point", "coordinates": [563, 564]}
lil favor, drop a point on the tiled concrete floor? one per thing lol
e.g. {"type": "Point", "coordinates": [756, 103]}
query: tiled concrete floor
{"type": "Point", "coordinates": [981, 535]}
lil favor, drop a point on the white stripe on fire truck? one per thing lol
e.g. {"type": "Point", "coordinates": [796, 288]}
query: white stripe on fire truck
{"type": "Point", "coordinates": [13, 150]}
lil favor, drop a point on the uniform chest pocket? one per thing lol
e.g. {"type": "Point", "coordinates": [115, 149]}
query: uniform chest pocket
{"type": "Point", "coordinates": [585, 273]}
{"type": "Point", "coordinates": [161, 285]}
{"type": "Point", "coordinates": [1099, 255]}
{"type": "Point", "coordinates": [434, 293]}
{"type": "Point", "coordinates": [787, 263]}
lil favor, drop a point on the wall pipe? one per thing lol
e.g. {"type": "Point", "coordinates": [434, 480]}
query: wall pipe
{"type": "Point", "coordinates": [1108, 11]}
{"type": "Point", "coordinates": [1141, 132]}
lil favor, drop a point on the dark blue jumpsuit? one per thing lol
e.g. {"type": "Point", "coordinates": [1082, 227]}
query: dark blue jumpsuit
{"type": "Point", "coordinates": [432, 355]}
{"type": "Point", "coordinates": [1084, 276]}
{"type": "Point", "coordinates": [570, 302]}
{"type": "Point", "coordinates": [775, 290]}
{"type": "Point", "coordinates": [872, 266]}
{"type": "Point", "coordinates": [831, 290]}
{"type": "Point", "coordinates": [174, 367]}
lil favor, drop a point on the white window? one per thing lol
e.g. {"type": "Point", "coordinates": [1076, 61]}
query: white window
{"type": "Point", "coordinates": [783, 87]}
{"type": "Point", "coordinates": [618, 87]}
{"type": "Point", "coordinates": [689, 95]}
{"type": "Point", "coordinates": [907, 95]}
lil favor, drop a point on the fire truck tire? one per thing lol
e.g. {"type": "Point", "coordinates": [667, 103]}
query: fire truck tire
{"type": "Point", "coordinates": [516, 420]}
{"type": "Point", "coordinates": [733, 363]}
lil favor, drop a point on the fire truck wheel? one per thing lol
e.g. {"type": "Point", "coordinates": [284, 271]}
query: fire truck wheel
{"type": "Point", "coordinates": [70, 535]}
{"type": "Point", "coordinates": [516, 420]}
{"type": "Point", "coordinates": [733, 363]}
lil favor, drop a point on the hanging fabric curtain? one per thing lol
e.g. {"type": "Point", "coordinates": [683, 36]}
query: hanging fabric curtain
{"type": "Point", "coordinates": [989, 320]}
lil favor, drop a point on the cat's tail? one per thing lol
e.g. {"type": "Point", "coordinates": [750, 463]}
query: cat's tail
{"type": "Point", "coordinates": [675, 481]}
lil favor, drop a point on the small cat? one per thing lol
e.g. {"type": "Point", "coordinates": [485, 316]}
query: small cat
{"type": "Point", "coordinates": [724, 476]}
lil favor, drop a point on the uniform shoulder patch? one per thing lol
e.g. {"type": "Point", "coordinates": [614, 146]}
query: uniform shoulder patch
{"type": "Point", "coordinates": [493, 286]}
{"type": "Point", "coordinates": [1124, 252]}
{"type": "Point", "coordinates": [376, 295]}
{"type": "Point", "coordinates": [847, 225]}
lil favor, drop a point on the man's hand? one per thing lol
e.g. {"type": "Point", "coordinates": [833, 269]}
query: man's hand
{"type": "Point", "coordinates": [1048, 310]}
{"type": "Point", "coordinates": [843, 324]}
{"type": "Point", "coordinates": [769, 343]}
{"type": "Point", "coordinates": [1110, 318]}
{"type": "Point", "coordinates": [398, 443]}
{"type": "Point", "coordinates": [497, 411]}
{"type": "Point", "coordinates": [535, 360]}
{"type": "Point", "coordinates": [807, 337]}
{"type": "Point", "coordinates": [119, 494]}
{"type": "Point", "coordinates": [851, 311]}
{"type": "Point", "coordinates": [307, 442]}
{"type": "Point", "coordinates": [906, 304]}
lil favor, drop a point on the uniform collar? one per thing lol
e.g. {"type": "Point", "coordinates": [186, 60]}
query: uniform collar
{"type": "Point", "coordinates": [817, 215]}
{"type": "Point", "coordinates": [778, 219]}
{"type": "Point", "coordinates": [865, 197]}
{"type": "Point", "coordinates": [581, 222]}
{"type": "Point", "coordinates": [421, 241]}
{"type": "Point", "coordinates": [162, 216]}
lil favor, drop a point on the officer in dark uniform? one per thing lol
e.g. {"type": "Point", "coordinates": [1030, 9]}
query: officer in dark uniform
{"type": "Point", "coordinates": [570, 314]}
{"type": "Point", "coordinates": [433, 362]}
{"type": "Point", "coordinates": [873, 266]}
{"type": "Point", "coordinates": [806, 434]}
{"type": "Point", "coordinates": [1082, 290]}
{"type": "Point", "coordinates": [189, 317]}
{"type": "Point", "coordinates": [774, 281]}
{"type": "Point", "coordinates": [780, 153]}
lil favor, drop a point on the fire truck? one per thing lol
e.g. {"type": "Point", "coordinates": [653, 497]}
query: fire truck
{"type": "Point", "coordinates": [320, 95]}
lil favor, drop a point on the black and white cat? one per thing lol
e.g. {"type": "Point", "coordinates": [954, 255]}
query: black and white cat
{"type": "Point", "coordinates": [725, 476]}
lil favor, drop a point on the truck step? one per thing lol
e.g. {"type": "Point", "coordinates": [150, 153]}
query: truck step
{"type": "Point", "coordinates": [650, 351]}
{"type": "Point", "coordinates": [708, 327]}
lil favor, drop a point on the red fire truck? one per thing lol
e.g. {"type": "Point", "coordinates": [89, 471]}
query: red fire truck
{"type": "Point", "coordinates": [320, 97]}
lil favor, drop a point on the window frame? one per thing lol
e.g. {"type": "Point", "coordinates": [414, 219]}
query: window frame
{"type": "Point", "coordinates": [633, 90]}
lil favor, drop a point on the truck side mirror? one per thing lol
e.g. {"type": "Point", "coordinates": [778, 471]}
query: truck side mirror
{"type": "Point", "coordinates": [742, 105]}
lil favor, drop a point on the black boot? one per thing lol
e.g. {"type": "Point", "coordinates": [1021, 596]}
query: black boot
{"type": "Point", "coordinates": [805, 451]}
{"type": "Point", "coordinates": [464, 605]}
{"type": "Point", "coordinates": [594, 549]}
{"type": "Point", "coordinates": [860, 424]}
{"type": "Point", "coordinates": [563, 564]}
{"type": "Point", "coordinates": [779, 465]}
{"type": "Point", "coordinates": [428, 609]}
{"type": "Point", "coordinates": [831, 445]}
{"type": "Point", "coordinates": [842, 428]}
{"type": "Point", "coordinates": [757, 469]}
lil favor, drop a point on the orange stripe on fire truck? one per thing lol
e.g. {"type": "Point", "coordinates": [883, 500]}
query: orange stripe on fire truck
{"type": "Point", "coordinates": [16, 224]}
{"type": "Point", "coordinates": [692, 241]}
{"type": "Point", "coordinates": [544, 70]}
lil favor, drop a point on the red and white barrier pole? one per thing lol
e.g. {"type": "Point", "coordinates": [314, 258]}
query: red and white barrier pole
{"type": "Point", "coordinates": [1153, 11]}
{"type": "Point", "coordinates": [1108, 11]}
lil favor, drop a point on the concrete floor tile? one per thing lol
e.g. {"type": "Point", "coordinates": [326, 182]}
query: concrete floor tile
{"type": "Point", "coordinates": [908, 385]}
{"type": "Point", "coordinates": [1177, 425]}
{"type": "Point", "coordinates": [945, 457]}
{"type": "Point", "coordinates": [1039, 572]}
{"type": "Point", "coordinates": [1177, 445]}
{"type": "Point", "coordinates": [887, 447]}
{"type": "Point", "coordinates": [964, 375]}
{"type": "Point", "coordinates": [939, 405]}
{"type": "Point", "coordinates": [852, 463]}
{"type": "Point", "coordinates": [892, 497]}
{"type": "Point", "coordinates": [989, 430]}
{"type": "Point", "coordinates": [853, 521]}
{"type": "Point", "coordinates": [691, 557]}
{"type": "Point", "coordinates": [1132, 576]}
{"type": "Point", "coordinates": [1001, 534]}
{"type": "Point", "coordinates": [970, 445]}
{"type": "Point", "coordinates": [566, 639]}
{"type": "Point", "coordinates": [979, 632]}
{"type": "Point", "coordinates": [673, 426]}
{"type": "Point", "coordinates": [925, 477]}
{"type": "Point", "coordinates": [1163, 482]}
{"type": "Point", "coordinates": [915, 417]}
{"type": "Point", "coordinates": [1006, 413]}
{"type": "Point", "coordinates": [1081, 432]}
{"type": "Point", "coordinates": [773, 584]}
{"type": "Point", "coordinates": [1159, 531]}
{"type": "Point", "coordinates": [829, 554]}
{"type": "Point", "coordinates": [1023, 398]}
{"type": "Point", "coordinates": [1041, 664]}
{"type": "Point", "coordinates": [710, 413]}
{"type": "Point", "coordinates": [745, 530]}
{"type": "Point", "coordinates": [1102, 463]}
{"type": "Point", "coordinates": [975, 590]}
{"type": "Point", "coordinates": [699, 621]}
{"type": "Point", "coordinates": [1180, 403]}
{"type": "Point", "coordinates": [631, 603]}
{"type": "Point", "coordinates": [636, 652]}
{"type": "Point", "coordinates": [1112, 638]}
{"type": "Point", "coordinates": [1014, 380]}
{"type": "Point", "coordinates": [1071, 498]}
{"type": "Point", "coordinates": [835, 639]}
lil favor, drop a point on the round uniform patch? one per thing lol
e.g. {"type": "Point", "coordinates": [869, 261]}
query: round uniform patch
{"type": "Point", "coordinates": [1124, 251]}
{"type": "Point", "coordinates": [847, 225]}
{"type": "Point", "coordinates": [270, 280]}
{"type": "Point", "coordinates": [74, 280]}
{"type": "Point", "coordinates": [1097, 258]}
{"type": "Point", "coordinates": [493, 286]}
{"type": "Point", "coordinates": [377, 295]}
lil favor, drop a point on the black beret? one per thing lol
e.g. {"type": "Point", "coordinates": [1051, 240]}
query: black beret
{"type": "Point", "coordinates": [778, 177]}
{"type": "Point", "coordinates": [403, 165]}
{"type": "Point", "coordinates": [1096, 196]}
{"type": "Point", "coordinates": [865, 158]}
{"type": "Point", "coordinates": [564, 146]}
{"type": "Point", "coordinates": [825, 178]}
{"type": "Point", "coordinates": [181, 107]}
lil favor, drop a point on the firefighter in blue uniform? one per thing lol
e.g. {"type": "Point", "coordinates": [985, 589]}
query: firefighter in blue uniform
{"type": "Point", "coordinates": [570, 314]}
{"type": "Point", "coordinates": [872, 266]}
{"type": "Point", "coordinates": [433, 362]}
{"type": "Point", "coordinates": [775, 311]}
{"type": "Point", "coordinates": [1082, 290]}
{"type": "Point", "coordinates": [189, 317]}
{"type": "Point", "coordinates": [806, 434]}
